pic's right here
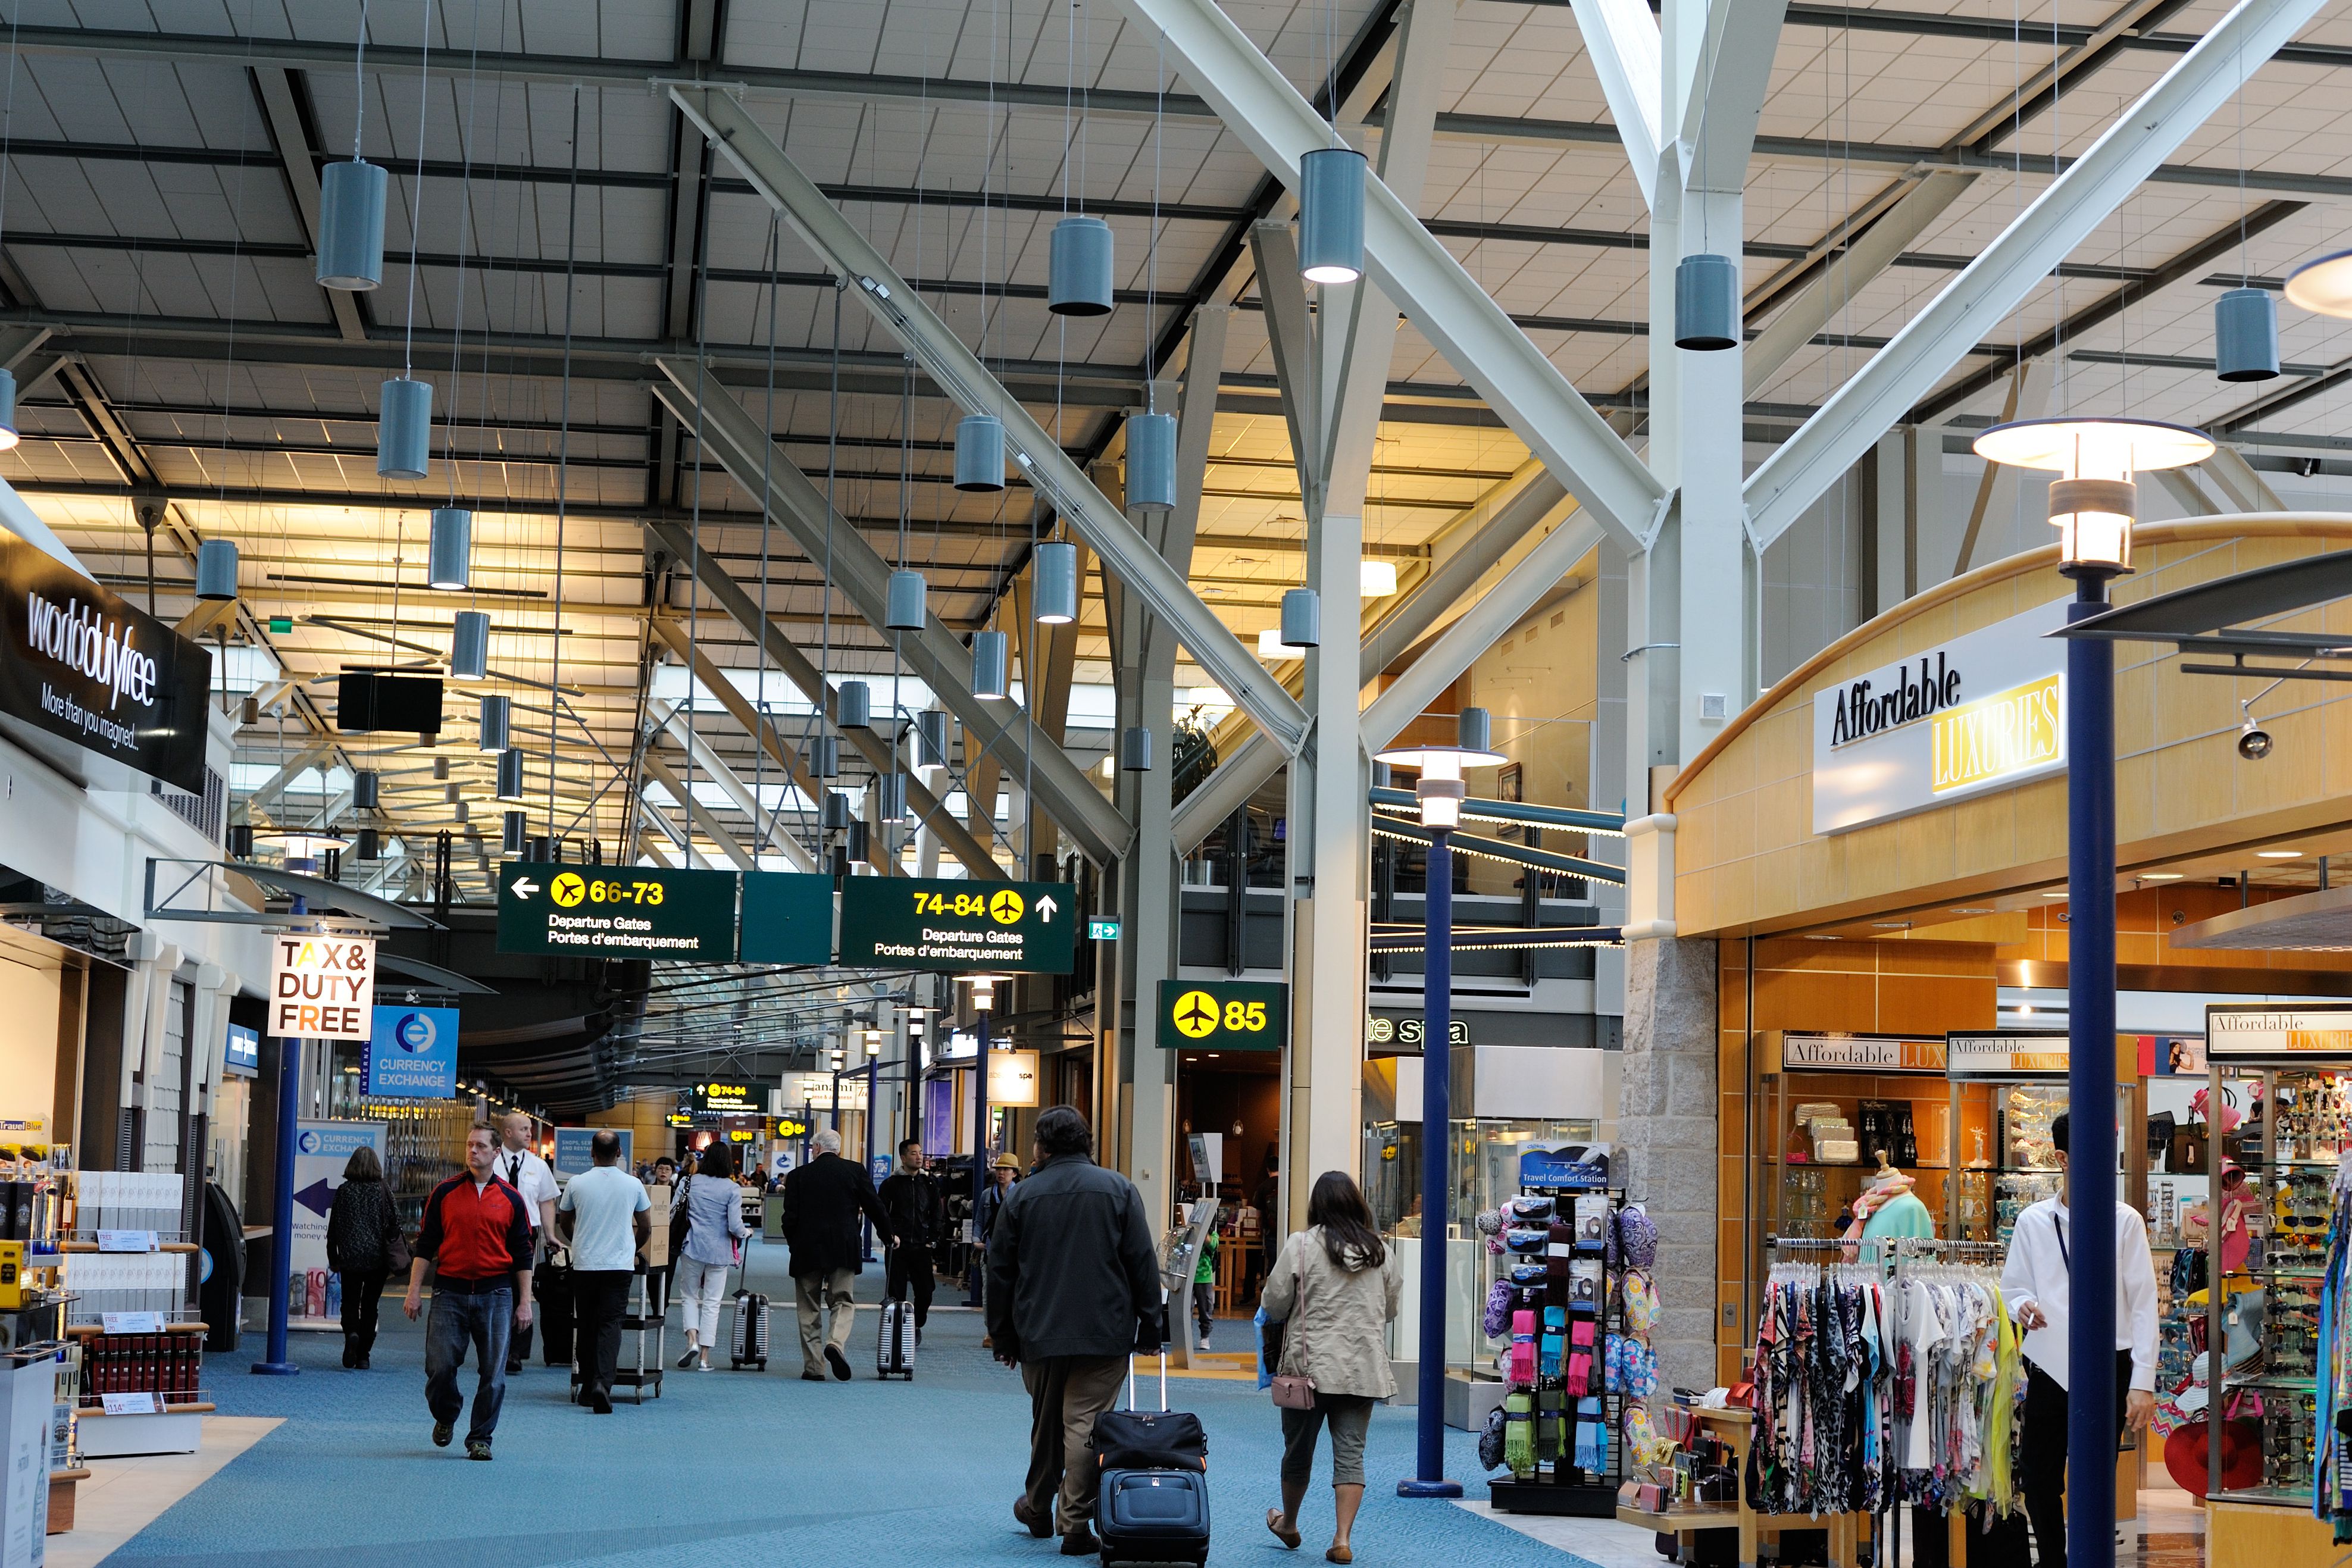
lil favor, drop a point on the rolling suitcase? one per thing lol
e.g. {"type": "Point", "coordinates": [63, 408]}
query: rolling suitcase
{"type": "Point", "coordinates": [894, 1344]}
{"type": "Point", "coordinates": [554, 1312]}
{"type": "Point", "coordinates": [1153, 1502]}
{"type": "Point", "coordinates": [748, 1343]}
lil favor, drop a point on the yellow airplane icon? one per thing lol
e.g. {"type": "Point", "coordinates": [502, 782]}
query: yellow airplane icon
{"type": "Point", "coordinates": [1196, 1015]}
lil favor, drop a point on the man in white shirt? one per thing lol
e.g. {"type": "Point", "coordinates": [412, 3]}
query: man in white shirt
{"type": "Point", "coordinates": [604, 1218]}
{"type": "Point", "coordinates": [2037, 1282]}
{"type": "Point", "coordinates": [521, 1168]}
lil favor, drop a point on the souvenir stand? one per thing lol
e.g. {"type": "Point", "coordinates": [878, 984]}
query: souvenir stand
{"type": "Point", "coordinates": [2291, 1068]}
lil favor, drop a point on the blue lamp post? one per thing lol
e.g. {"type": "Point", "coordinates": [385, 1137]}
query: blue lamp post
{"type": "Point", "coordinates": [1440, 792]}
{"type": "Point", "coordinates": [2093, 504]}
{"type": "Point", "coordinates": [275, 1361]}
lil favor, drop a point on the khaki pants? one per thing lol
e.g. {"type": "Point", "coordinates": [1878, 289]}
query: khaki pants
{"type": "Point", "coordinates": [814, 1293]}
{"type": "Point", "coordinates": [1066, 1394]}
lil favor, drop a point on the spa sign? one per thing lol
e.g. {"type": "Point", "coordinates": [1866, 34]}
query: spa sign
{"type": "Point", "coordinates": [1982, 712]}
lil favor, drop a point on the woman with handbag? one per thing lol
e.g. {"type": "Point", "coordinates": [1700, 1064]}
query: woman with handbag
{"type": "Point", "coordinates": [365, 1246]}
{"type": "Point", "coordinates": [1334, 1289]}
{"type": "Point", "coordinates": [706, 1233]}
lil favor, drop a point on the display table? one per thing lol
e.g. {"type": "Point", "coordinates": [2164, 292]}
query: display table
{"type": "Point", "coordinates": [1736, 1427]}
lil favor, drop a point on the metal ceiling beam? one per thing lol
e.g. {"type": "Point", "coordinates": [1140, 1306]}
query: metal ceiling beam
{"type": "Point", "coordinates": [729, 432]}
{"type": "Point", "coordinates": [1731, 72]}
{"type": "Point", "coordinates": [675, 722]}
{"type": "Point", "coordinates": [700, 815]}
{"type": "Point", "coordinates": [958, 371]}
{"type": "Point", "coordinates": [2013, 265]}
{"type": "Point", "coordinates": [1620, 39]}
{"type": "Point", "coordinates": [1259, 105]}
{"type": "Point", "coordinates": [281, 114]}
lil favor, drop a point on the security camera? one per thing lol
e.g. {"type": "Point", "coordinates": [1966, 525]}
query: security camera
{"type": "Point", "coordinates": [2253, 742]}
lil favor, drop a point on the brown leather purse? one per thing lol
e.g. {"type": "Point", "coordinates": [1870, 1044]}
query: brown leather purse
{"type": "Point", "coordinates": [1295, 1390]}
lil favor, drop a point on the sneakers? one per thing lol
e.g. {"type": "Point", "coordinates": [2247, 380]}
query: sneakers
{"type": "Point", "coordinates": [687, 1359]}
{"type": "Point", "coordinates": [442, 1432]}
{"type": "Point", "coordinates": [1080, 1542]}
{"type": "Point", "coordinates": [1037, 1523]}
{"type": "Point", "coordinates": [838, 1362]}
{"type": "Point", "coordinates": [474, 1451]}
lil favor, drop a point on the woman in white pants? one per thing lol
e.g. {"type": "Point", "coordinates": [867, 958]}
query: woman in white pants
{"type": "Point", "coordinates": [712, 1211]}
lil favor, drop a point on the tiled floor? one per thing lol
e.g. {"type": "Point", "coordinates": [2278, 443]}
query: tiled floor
{"type": "Point", "coordinates": [123, 1497]}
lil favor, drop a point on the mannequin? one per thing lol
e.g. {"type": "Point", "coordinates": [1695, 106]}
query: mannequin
{"type": "Point", "coordinates": [1889, 1207]}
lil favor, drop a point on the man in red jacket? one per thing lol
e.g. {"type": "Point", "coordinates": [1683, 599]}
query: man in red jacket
{"type": "Point", "coordinates": [477, 1236]}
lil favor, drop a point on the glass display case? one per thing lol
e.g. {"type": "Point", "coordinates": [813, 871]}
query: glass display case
{"type": "Point", "coordinates": [1826, 1105]}
{"type": "Point", "coordinates": [2007, 1088]}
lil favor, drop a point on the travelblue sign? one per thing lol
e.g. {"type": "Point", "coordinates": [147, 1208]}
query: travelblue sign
{"type": "Point", "coordinates": [411, 1054]}
{"type": "Point", "coordinates": [241, 1055]}
{"type": "Point", "coordinates": [574, 1153]}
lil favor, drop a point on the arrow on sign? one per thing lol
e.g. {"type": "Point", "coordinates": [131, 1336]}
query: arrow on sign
{"type": "Point", "coordinates": [318, 1198]}
{"type": "Point", "coordinates": [1046, 907]}
{"type": "Point", "coordinates": [524, 887]}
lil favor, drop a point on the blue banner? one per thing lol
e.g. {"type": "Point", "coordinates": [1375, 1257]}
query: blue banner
{"type": "Point", "coordinates": [413, 1054]}
{"type": "Point", "coordinates": [572, 1153]}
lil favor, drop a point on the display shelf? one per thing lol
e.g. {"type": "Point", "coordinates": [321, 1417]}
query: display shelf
{"type": "Point", "coordinates": [2303, 1385]}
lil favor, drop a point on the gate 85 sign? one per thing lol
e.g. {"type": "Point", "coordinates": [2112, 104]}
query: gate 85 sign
{"type": "Point", "coordinates": [1222, 1015]}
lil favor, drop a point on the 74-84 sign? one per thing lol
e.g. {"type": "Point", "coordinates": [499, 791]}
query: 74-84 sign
{"type": "Point", "coordinates": [921, 923]}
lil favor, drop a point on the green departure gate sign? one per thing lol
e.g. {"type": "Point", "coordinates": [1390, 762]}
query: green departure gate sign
{"type": "Point", "coordinates": [617, 912]}
{"type": "Point", "coordinates": [787, 917]}
{"type": "Point", "coordinates": [1223, 1015]}
{"type": "Point", "coordinates": [922, 923]}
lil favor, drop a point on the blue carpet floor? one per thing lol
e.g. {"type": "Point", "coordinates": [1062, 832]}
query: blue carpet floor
{"type": "Point", "coordinates": [737, 1466]}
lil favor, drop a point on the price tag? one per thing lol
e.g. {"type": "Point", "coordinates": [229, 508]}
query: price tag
{"type": "Point", "coordinates": [133, 1323]}
{"type": "Point", "coordinates": [132, 1404]}
{"type": "Point", "coordinates": [126, 1241]}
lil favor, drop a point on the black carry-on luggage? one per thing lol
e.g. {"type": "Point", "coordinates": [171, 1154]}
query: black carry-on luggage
{"type": "Point", "coordinates": [1153, 1502]}
{"type": "Point", "coordinates": [748, 1343]}
{"type": "Point", "coordinates": [553, 1308]}
{"type": "Point", "coordinates": [894, 1345]}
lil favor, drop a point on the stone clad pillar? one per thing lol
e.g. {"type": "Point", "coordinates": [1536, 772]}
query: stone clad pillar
{"type": "Point", "coordinates": [1667, 1139]}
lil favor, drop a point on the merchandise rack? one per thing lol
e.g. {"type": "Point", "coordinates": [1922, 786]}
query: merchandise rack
{"type": "Point", "coordinates": [1560, 1488]}
{"type": "Point", "coordinates": [166, 1364]}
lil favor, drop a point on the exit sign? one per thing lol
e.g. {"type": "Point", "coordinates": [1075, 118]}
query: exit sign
{"type": "Point", "coordinates": [1102, 930]}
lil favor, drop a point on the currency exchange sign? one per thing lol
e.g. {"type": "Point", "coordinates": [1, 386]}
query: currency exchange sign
{"type": "Point", "coordinates": [959, 928]}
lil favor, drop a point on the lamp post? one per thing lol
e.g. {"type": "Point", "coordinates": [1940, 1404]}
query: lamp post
{"type": "Point", "coordinates": [983, 1001]}
{"type": "Point", "coordinates": [2093, 504]}
{"type": "Point", "coordinates": [1441, 791]}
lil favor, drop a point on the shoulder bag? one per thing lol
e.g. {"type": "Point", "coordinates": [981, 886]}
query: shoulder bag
{"type": "Point", "coordinates": [681, 1217]}
{"type": "Point", "coordinates": [396, 1257]}
{"type": "Point", "coordinates": [1295, 1390]}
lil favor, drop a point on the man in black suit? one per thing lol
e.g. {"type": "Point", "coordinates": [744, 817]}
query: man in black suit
{"type": "Point", "coordinates": [823, 1199]}
{"type": "Point", "coordinates": [918, 1215]}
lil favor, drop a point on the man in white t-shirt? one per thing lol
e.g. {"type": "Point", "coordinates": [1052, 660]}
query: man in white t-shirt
{"type": "Point", "coordinates": [521, 1168]}
{"type": "Point", "coordinates": [604, 1218]}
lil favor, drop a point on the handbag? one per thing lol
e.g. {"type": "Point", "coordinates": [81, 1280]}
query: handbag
{"type": "Point", "coordinates": [1295, 1390]}
{"type": "Point", "coordinates": [396, 1255]}
{"type": "Point", "coordinates": [681, 1218]}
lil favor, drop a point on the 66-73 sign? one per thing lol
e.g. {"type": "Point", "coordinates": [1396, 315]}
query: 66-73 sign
{"type": "Point", "coordinates": [322, 987]}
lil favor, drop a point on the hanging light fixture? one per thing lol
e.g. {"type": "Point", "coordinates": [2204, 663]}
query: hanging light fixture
{"type": "Point", "coordinates": [217, 570]}
{"type": "Point", "coordinates": [855, 703]}
{"type": "Point", "coordinates": [494, 712]}
{"type": "Point", "coordinates": [931, 739]}
{"type": "Point", "coordinates": [1151, 462]}
{"type": "Point", "coordinates": [1135, 750]}
{"type": "Point", "coordinates": [835, 815]}
{"type": "Point", "coordinates": [2245, 335]}
{"type": "Point", "coordinates": [860, 844]}
{"type": "Point", "coordinates": [510, 835]}
{"type": "Point", "coordinates": [404, 432]}
{"type": "Point", "coordinates": [890, 797]}
{"type": "Point", "coordinates": [1376, 579]}
{"type": "Point", "coordinates": [1302, 618]}
{"type": "Point", "coordinates": [8, 436]}
{"type": "Point", "coordinates": [824, 756]}
{"type": "Point", "coordinates": [1331, 215]}
{"type": "Point", "coordinates": [510, 773]}
{"type": "Point", "coordinates": [460, 811]}
{"type": "Point", "coordinates": [367, 786]}
{"type": "Point", "coordinates": [1706, 302]}
{"type": "Point", "coordinates": [1056, 583]}
{"type": "Point", "coordinates": [1270, 645]}
{"type": "Point", "coordinates": [1080, 267]}
{"type": "Point", "coordinates": [350, 224]}
{"type": "Point", "coordinates": [240, 840]}
{"type": "Point", "coordinates": [903, 608]}
{"type": "Point", "coordinates": [988, 665]}
{"type": "Point", "coordinates": [469, 646]}
{"type": "Point", "coordinates": [369, 846]}
{"type": "Point", "coordinates": [2092, 503]}
{"type": "Point", "coordinates": [1441, 791]}
{"type": "Point", "coordinates": [450, 556]}
{"type": "Point", "coordinates": [980, 452]}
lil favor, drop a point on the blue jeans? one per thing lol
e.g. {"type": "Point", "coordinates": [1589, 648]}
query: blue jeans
{"type": "Point", "coordinates": [456, 1322]}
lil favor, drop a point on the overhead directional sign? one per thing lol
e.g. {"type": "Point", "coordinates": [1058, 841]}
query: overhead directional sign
{"type": "Point", "coordinates": [787, 917]}
{"type": "Point", "coordinates": [617, 912]}
{"type": "Point", "coordinates": [918, 923]}
{"type": "Point", "coordinates": [1223, 1015]}
{"type": "Point", "coordinates": [732, 1097]}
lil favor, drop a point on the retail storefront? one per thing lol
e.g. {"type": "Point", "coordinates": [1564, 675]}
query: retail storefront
{"type": "Point", "coordinates": [1877, 848]}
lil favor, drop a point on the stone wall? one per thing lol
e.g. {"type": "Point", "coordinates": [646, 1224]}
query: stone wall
{"type": "Point", "coordinates": [1667, 1141]}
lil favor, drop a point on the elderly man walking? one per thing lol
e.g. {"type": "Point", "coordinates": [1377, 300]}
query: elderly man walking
{"type": "Point", "coordinates": [823, 1199]}
{"type": "Point", "coordinates": [1073, 1287]}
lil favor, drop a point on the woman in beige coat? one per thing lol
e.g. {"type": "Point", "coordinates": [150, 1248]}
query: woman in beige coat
{"type": "Point", "coordinates": [1335, 1288]}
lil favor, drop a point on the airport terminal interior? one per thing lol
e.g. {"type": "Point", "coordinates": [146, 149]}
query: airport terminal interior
{"type": "Point", "coordinates": [805, 778]}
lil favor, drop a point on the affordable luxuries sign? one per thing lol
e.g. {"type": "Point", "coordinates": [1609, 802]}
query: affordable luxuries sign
{"type": "Point", "coordinates": [617, 912]}
{"type": "Point", "coordinates": [82, 665]}
{"type": "Point", "coordinates": [1982, 712]}
{"type": "Point", "coordinates": [923, 923]}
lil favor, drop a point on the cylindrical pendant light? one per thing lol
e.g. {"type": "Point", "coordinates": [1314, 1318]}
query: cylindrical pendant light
{"type": "Point", "coordinates": [449, 796]}
{"type": "Point", "coordinates": [931, 739]}
{"type": "Point", "coordinates": [860, 846]}
{"type": "Point", "coordinates": [494, 717]}
{"type": "Point", "coordinates": [404, 432]}
{"type": "Point", "coordinates": [988, 660]}
{"type": "Point", "coordinates": [854, 702]}
{"type": "Point", "coordinates": [450, 558]}
{"type": "Point", "coordinates": [369, 846]}
{"type": "Point", "coordinates": [1706, 302]}
{"type": "Point", "coordinates": [510, 835]}
{"type": "Point", "coordinates": [1151, 462]}
{"type": "Point", "coordinates": [249, 711]}
{"type": "Point", "coordinates": [1302, 618]}
{"type": "Point", "coordinates": [1135, 750]}
{"type": "Point", "coordinates": [1079, 268]}
{"type": "Point", "coordinates": [903, 609]}
{"type": "Point", "coordinates": [240, 840]}
{"type": "Point", "coordinates": [2245, 335]}
{"type": "Point", "coordinates": [836, 811]}
{"type": "Point", "coordinates": [1056, 583]}
{"type": "Point", "coordinates": [1474, 729]}
{"type": "Point", "coordinates": [980, 452]}
{"type": "Point", "coordinates": [469, 646]}
{"type": "Point", "coordinates": [824, 756]}
{"type": "Point", "coordinates": [510, 773]}
{"type": "Point", "coordinates": [440, 769]}
{"type": "Point", "coordinates": [367, 787]}
{"type": "Point", "coordinates": [217, 570]}
{"type": "Point", "coordinates": [8, 436]}
{"type": "Point", "coordinates": [1331, 216]}
{"type": "Point", "coordinates": [890, 797]}
{"type": "Point", "coordinates": [460, 811]}
{"type": "Point", "coordinates": [350, 224]}
{"type": "Point", "coordinates": [541, 849]}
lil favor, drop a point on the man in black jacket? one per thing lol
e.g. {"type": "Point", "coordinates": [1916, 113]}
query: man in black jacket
{"type": "Point", "coordinates": [822, 1202]}
{"type": "Point", "coordinates": [1073, 1288]}
{"type": "Point", "coordinates": [910, 1196]}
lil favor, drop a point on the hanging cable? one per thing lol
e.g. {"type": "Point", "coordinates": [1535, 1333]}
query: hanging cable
{"type": "Point", "coordinates": [416, 201]}
{"type": "Point", "coordinates": [563, 459]}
